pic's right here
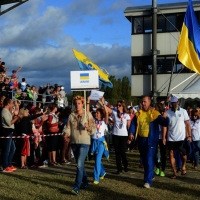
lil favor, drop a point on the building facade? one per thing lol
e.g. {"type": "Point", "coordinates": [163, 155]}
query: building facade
{"type": "Point", "coordinates": [169, 23]}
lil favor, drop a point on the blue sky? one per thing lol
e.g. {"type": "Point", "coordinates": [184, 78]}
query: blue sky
{"type": "Point", "coordinates": [40, 34]}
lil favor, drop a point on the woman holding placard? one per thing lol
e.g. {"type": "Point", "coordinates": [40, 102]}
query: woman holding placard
{"type": "Point", "coordinates": [99, 145]}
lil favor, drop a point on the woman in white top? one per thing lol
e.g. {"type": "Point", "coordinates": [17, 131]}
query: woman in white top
{"type": "Point", "coordinates": [120, 135]}
{"type": "Point", "coordinates": [195, 126]}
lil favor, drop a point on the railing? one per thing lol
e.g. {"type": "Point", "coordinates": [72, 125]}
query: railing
{"type": "Point", "coordinates": [11, 95]}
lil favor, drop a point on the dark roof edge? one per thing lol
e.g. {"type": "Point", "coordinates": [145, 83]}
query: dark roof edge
{"type": "Point", "coordinates": [160, 6]}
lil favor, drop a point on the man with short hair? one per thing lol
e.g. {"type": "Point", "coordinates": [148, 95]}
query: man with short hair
{"type": "Point", "coordinates": [47, 94]}
{"type": "Point", "coordinates": [8, 146]}
{"type": "Point", "coordinates": [178, 129]}
{"type": "Point", "coordinates": [145, 126]}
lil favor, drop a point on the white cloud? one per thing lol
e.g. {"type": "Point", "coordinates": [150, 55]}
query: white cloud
{"type": "Point", "coordinates": [35, 30]}
{"type": "Point", "coordinates": [37, 42]}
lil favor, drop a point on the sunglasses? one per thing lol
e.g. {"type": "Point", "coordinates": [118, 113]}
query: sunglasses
{"type": "Point", "coordinates": [195, 116]}
{"type": "Point", "coordinates": [119, 105]}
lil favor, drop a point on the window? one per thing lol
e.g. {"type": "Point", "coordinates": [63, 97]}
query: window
{"type": "Point", "coordinates": [166, 23]}
{"type": "Point", "coordinates": [137, 25]}
{"type": "Point", "coordinates": [179, 20]}
{"type": "Point", "coordinates": [161, 24]}
{"type": "Point", "coordinates": [160, 65]}
{"type": "Point", "coordinates": [148, 24]}
{"type": "Point", "coordinates": [142, 65]}
{"type": "Point", "coordinates": [169, 63]}
{"type": "Point", "coordinates": [171, 23]}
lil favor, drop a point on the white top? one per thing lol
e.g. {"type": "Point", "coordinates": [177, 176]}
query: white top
{"type": "Point", "coordinates": [195, 126]}
{"type": "Point", "coordinates": [60, 102]}
{"type": "Point", "coordinates": [101, 127]}
{"type": "Point", "coordinates": [176, 127]}
{"type": "Point", "coordinates": [120, 124]}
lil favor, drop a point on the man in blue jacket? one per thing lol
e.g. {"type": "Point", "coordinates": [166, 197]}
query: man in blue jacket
{"type": "Point", "coordinates": [145, 126]}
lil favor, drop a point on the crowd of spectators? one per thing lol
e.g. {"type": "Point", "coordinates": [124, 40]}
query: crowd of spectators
{"type": "Point", "coordinates": [27, 112]}
{"type": "Point", "coordinates": [11, 87]}
{"type": "Point", "coordinates": [50, 133]}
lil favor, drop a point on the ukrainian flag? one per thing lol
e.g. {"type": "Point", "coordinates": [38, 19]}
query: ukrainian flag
{"type": "Point", "coordinates": [189, 43]}
{"type": "Point", "coordinates": [86, 64]}
{"type": "Point", "coordinates": [84, 76]}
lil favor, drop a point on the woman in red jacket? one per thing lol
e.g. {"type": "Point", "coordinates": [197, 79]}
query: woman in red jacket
{"type": "Point", "coordinates": [52, 141]}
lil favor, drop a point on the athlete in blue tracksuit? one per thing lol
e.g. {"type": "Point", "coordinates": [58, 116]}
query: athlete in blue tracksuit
{"type": "Point", "coordinates": [145, 126]}
{"type": "Point", "coordinates": [99, 145]}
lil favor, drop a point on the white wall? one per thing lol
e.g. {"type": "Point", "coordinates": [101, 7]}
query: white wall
{"type": "Point", "coordinates": [141, 84]}
{"type": "Point", "coordinates": [166, 42]}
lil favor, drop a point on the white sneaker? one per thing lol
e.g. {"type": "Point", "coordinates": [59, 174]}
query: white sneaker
{"type": "Point", "coordinates": [42, 166]}
{"type": "Point", "coordinates": [146, 185]}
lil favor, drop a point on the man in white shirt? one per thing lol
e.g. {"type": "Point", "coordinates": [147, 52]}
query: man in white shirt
{"type": "Point", "coordinates": [178, 130]}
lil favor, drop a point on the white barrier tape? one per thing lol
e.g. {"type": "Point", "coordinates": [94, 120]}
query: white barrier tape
{"type": "Point", "coordinates": [27, 136]}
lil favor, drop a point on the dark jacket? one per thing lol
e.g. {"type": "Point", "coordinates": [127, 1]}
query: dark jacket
{"type": "Point", "coordinates": [26, 124]}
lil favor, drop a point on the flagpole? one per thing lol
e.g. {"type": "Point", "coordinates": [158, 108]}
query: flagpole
{"type": "Point", "coordinates": [172, 72]}
{"type": "Point", "coordinates": [154, 51]}
{"type": "Point", "coordinates": [85, 103]}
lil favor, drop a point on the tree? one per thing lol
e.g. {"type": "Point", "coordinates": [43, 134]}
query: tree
{"type": "Point", "coordinates": [121, 91]}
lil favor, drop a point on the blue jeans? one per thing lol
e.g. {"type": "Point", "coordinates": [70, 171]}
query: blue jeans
{"type": "Point", "coordinates": [196, 156]}
{"type": "Point", "coordinates": [8, 151]}
{"type": "Point", "coordinates": [147, 153]}
{"type": "Point", "coordinates": [80, 152]}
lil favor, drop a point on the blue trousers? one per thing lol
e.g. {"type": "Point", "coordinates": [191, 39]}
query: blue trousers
{"type": "Point", "coordinates": [196, 154]}
{"type": "Point", "coordinates": [80, 152]}
{"type": "Point", "coordinates": [147, 153]}
{"type": "Point", "coordinates": [98, 166]}
{"type": "Point", "coordinates": [8, 151]}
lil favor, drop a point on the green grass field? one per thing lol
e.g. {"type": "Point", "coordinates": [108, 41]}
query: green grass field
{"type": "Point", "coordinates": [56, 183]}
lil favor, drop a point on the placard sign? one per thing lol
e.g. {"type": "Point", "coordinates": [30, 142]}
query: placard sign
{"type": "Point", "coordinates": [84, 80]}
{"type": "Point", "coordinates": [96, 95]}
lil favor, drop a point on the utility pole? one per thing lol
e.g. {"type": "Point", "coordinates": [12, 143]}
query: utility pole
{"type": "Point", "coordinates": [154, 50]}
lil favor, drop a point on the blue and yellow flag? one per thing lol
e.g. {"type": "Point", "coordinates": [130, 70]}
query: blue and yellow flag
{"type": "Point", "coordinates": [84, 76]}
{"type": "Point", "coordinates": [86, 64]}
{"type": "Point", "coordinates": [189, 43]}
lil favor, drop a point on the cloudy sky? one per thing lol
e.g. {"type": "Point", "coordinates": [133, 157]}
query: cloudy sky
{"type": "Point", "coordinates": [40, 34]}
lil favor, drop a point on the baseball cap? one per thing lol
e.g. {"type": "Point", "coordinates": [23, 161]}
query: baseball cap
{"type": "Point", "coordinates": [173, 99]}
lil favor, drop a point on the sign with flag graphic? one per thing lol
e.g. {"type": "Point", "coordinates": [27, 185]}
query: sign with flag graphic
{"type": "Point", "coordinates": [84, 80]}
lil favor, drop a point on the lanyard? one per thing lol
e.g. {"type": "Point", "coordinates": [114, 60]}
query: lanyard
{"type": "Point", "coordinates": [98, 124]}
{"type": "Point", "coordinates": [121, 117]}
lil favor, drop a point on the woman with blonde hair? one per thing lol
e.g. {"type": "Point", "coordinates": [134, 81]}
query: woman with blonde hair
{"type": "Point", "coordinates": [79, 127]}
{"type": "Point", "coordinates": [26, 130]}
